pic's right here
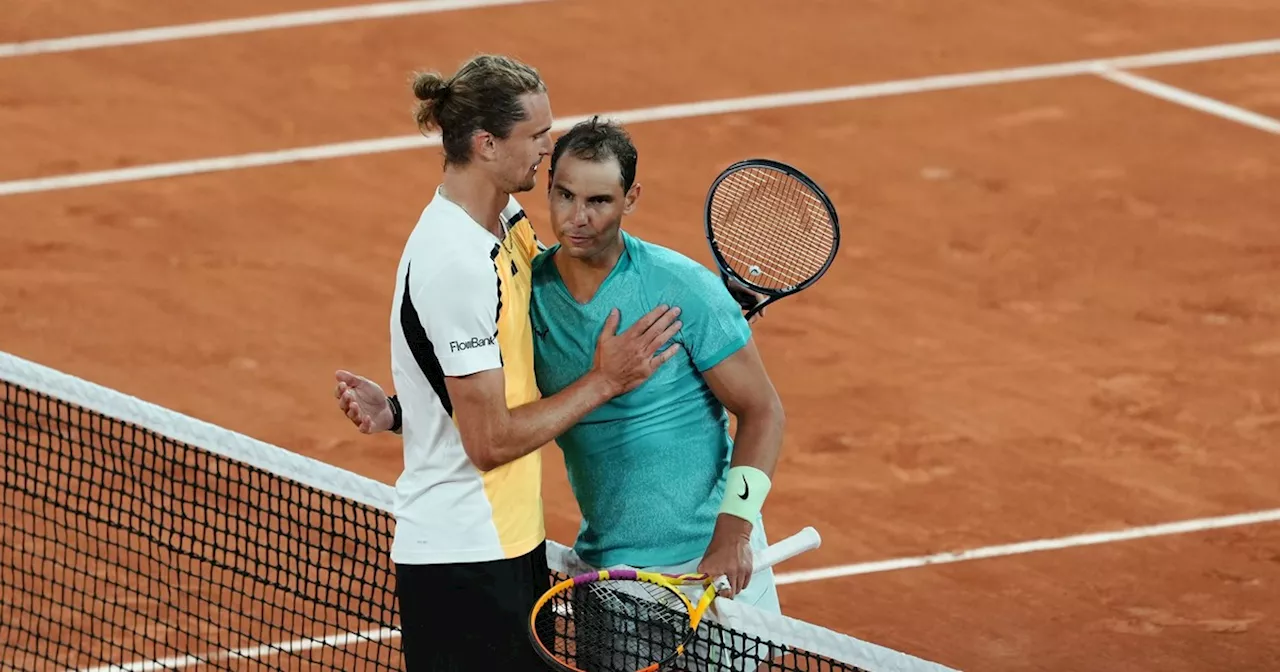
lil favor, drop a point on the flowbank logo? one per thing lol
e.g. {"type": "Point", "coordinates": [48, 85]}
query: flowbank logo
{"type": "Point", "coordinates": [459, 346]}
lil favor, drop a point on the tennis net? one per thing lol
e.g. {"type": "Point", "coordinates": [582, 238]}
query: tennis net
{"type": "Point", "coordinates": [135, 538]}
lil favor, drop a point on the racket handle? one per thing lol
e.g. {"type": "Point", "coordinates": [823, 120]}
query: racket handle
{"type": "Point", "coordinates": [745, 297]}
{"type": "Point", "coordinates": [800, 542]}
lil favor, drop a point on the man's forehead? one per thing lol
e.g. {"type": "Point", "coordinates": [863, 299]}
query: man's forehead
{"type": "Point", "coordinates": [601, 172]}
{"type": "Point", "coordinates": [537, 108]}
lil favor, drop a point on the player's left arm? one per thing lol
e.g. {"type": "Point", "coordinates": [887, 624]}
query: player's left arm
{"type": "Point", "coordinates": [720, 344]}
{"type": "Point", "coordinates": [741, 383]}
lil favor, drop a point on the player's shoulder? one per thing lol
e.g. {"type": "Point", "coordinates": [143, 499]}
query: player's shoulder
{"type": "Point", "coordinates": [446, 225]}
{"type": "Point", "coordinates": [447, 243]}
{"type": "Point", "coordinates": [672, 277]}
{"type": "Point", "coordinates": [665, 264]}
{"type": "Point", "coordinates": [542, 262]}
{"type": "Point", "coordinates": [543, 274]}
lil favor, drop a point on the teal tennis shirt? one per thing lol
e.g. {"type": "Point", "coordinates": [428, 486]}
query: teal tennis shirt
{"type": "Point", "coordinates": [647, 468]}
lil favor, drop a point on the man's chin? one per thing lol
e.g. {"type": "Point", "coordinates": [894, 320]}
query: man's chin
{"type": "Point", "coordinates": [590, 252]}
{"type": "Point", "coordinates": [573, 250]}
{"type": "Point", "coordinates": [528, 184]}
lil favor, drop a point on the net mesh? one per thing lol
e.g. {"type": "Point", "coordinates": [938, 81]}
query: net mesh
{"type": "Point", "coordinates": [124, 546]}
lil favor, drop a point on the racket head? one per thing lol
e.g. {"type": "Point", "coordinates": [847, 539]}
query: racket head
{"type": "Point", "coordinates": [616, 620]}
{"type": "Point", "coordinates": [770, 227]}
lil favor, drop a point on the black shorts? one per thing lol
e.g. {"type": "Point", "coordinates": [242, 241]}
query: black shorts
{"type": "Point", "coordinates": [471, 617]}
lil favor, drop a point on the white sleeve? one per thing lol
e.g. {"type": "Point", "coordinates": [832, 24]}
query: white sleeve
{"type": "Point", "coordinates": [459, 312]}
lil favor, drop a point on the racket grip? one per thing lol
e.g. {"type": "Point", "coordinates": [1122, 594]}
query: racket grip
{"type": "Point", "coordinates": [746, 298]}
{"type": "Point", "coordinates": [805, 540]}
{"type": "Point", "coordinates": [800, 542]}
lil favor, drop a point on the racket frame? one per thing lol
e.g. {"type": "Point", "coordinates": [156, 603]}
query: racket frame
{"type": "Point", "coordinates": [806, 539]}
{"type": "Point", "coordinates": [667, 582]}
{"type": "Point", "coordinates": [726, 270]}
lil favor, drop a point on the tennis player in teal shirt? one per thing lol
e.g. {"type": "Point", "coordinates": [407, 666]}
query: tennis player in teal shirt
{"type": "Point", "coordinates": [670, 436]}
{"type": "Point", "coordinates": [659, 480]}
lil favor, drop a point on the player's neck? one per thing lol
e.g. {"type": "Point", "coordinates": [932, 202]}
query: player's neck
{"type": "Point", "coordinates": [473, 191]}
{"type": "Point", "coordinates": [583, 277]}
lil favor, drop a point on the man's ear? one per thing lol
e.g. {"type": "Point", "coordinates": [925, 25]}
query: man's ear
{"type": "Point", "coordinates": [484, 146]}
{"type": "Point", "coordinates": [629, 201]}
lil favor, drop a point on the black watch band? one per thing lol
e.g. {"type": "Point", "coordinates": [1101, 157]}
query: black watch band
{"type": "Point", "coordinates": [396, 413]}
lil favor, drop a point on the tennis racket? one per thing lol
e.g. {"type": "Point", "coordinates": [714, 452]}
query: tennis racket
{"type": "Point", "coordinates": [771, 228]}
{"type": "Point", "coordinates": [632, 619]}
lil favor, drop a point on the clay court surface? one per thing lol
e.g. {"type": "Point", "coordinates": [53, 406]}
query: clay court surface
{"type": "Point", "coordinates": [1056, 308]}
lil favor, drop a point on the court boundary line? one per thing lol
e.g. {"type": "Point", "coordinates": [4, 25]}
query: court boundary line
{"type": "Point", "coordinates": [657, 113]}
{"type": "Point", "coordinates": [251, 652]}
{"type": "Point", "coordinates": [783, 578]}
{"type": "Point", "coordinates": [250, 24]}
{"type": "Point", "coordinates": [1038, 545]}
{"type": "Point", "coordinates": [1190, 99]}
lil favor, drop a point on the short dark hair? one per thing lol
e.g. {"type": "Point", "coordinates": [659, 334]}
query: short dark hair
{"type": "Point", "coordinates": [598, 140]}
{"type": "Point", "coordinates": [484, 94]}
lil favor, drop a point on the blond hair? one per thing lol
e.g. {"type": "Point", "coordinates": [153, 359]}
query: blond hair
{"type": "Point", "coordinates": [484, 94]}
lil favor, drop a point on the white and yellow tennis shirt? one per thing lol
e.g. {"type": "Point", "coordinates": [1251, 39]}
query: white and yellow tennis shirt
{"type": "Point", "coordinates": [461, 306]}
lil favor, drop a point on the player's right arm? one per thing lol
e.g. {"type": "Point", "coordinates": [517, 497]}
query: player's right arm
{"type": "Point", "coordinates": [494, 435]}
{"type": "Point", "coordinates": [458, 324]}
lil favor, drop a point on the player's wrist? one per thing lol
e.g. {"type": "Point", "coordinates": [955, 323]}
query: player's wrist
{"type": "Point", "coordinates": [745, 491]}
{"type": "Point", "coordinates": [733, 527]}
{"type": "Point", "coordinates": [601, 386]}
{"type": "Point", "coordinates": [397, 414]}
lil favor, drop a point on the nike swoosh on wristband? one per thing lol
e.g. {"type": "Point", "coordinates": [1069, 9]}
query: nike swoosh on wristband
{"type": "Point", "coordinates": [746, 489]}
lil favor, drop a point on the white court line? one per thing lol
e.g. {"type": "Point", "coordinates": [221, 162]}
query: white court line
{"type": "Point", "coordinates": [1165, 529]}
{"type": "Point", "coordinates": [784, 578]}
{"type": "Point", "coordinates": [660, 113]}
{"type": "Point", "coordinates": [340, 640]}
{"type": "Point", "coordinates": [245, 25]}
{"type": "Point", "coordinates": [1194, 101]}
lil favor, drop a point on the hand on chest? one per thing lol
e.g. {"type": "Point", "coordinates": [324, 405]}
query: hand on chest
{"type": "Point", "coordinates": [565, 339]}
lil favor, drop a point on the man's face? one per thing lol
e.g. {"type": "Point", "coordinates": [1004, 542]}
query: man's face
{"type": "Point", "coordinates": [521, 152]}
{"type": "Point", "coordinates": [587, 204]}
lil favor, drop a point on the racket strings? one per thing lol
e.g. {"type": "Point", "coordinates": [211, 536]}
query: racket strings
{"type": "Point", "coordinates": [808, 215]}
{"type": "Point", "coordinates": [614, 626]}
{"type": "Point", "coordinates": [761, 276]}
{"type": "Point", "coordinates": [771, 229]}
{"type": "Point", "coordinates": [790, 242]}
